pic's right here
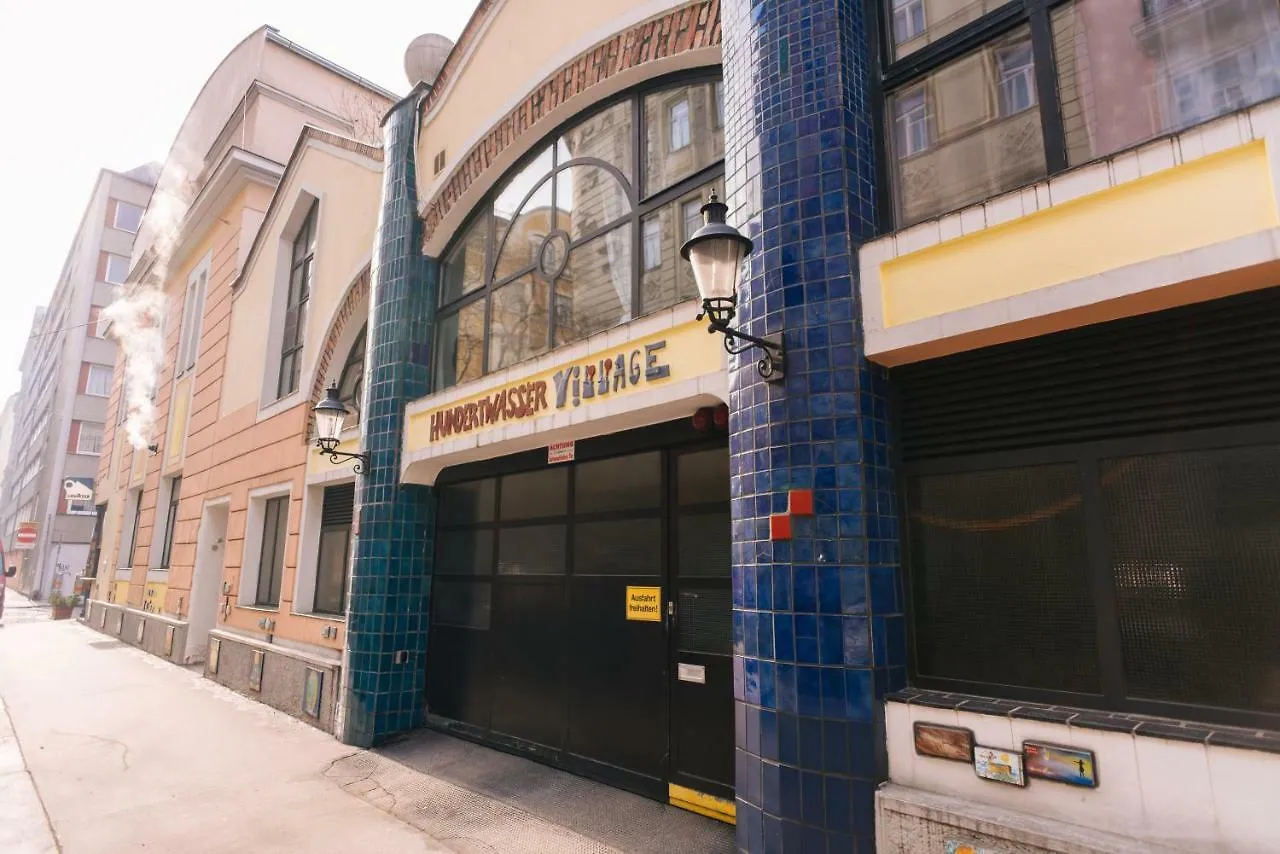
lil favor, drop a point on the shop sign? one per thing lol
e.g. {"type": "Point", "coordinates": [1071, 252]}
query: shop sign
{"type": "Point", "coordinates": [78, 496]}
{"type": "Point", "coordinates": [570, 386]}
{"type": "Point", "coordinates": [644, 603]}
{"type": "Point", "coordinates": [560, 452]}
{"type": "Point", "coordinates": [25, 535]}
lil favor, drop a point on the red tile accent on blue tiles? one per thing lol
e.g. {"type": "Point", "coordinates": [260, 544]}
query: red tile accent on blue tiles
{"type": "Point", "coordinates": [780, 526]}
{"type": "Point", "coordinates": [800, 502]}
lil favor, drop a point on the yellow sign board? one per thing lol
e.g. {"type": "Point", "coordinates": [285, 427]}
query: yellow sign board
{"type": "Point", "coordinates": [644, 603]}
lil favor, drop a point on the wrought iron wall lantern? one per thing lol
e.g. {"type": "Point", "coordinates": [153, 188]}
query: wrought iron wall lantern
{"type": "Point", "coordinates": [331, 417]}
{"type": "Point", "coordinates": [715, 252]}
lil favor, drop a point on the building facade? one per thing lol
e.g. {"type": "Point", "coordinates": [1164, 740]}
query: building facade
{"type": "Point", "coordinates": [61, 411]}
{"type": "Point", "coordinates": [258, 237]}
{"type": "Point", "coordinates": [1006, 520]}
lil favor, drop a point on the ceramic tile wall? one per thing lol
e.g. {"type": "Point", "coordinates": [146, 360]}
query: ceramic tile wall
{"type": "Point", "coordinates": [390, 580]}
{"type": "Point", "coordinates": [819, 634]}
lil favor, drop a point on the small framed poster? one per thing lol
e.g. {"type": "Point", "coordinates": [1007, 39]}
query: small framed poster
{"type": "Point", "coordinates": [1061, 764]}
{"type": "Point", "coordinates": [311, 693]}
{"type": "Point", "coordinates": [943, 742]}
{"type": "Point", "coordinates": [168, 641]}
{"type": "Point", "coordinates": [215, 647]}
{"type": "Point", "coordinates": [255, 670]}
{"type": "Point", "coordinates": [1002, 766]}
{"type": "Point", "coordinates": [142, 630]}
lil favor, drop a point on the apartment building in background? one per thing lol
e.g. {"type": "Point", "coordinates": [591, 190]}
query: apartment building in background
{"type": "Point", "coordinates": [61, 409]}
{"type": "Point", "coordinates": [268, 239]}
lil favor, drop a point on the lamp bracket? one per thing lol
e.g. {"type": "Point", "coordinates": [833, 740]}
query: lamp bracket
{"type": "Point", "coordinates": [773, 362]}
{"type": "Point", "coordinates": [329, 448]}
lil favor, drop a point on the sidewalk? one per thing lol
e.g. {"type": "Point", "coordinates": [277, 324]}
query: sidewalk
{"type": "Point", "coordinates": [129, 754]}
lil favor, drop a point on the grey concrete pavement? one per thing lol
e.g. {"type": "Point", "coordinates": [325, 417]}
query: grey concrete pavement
{"type": "Point", "coordinates": [129, 753]}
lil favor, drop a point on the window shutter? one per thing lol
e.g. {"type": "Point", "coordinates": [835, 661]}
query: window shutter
{"type": "Point", "coordinates": [1211, 364]}
{"type": "Point", "coordinates": [339, 505]}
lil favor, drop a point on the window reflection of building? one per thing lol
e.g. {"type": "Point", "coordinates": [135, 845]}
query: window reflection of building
{"type": "Point", "coordinates": [351, 379]}
{"type": "Point", "coordinates": [553, 253]}
{"type": "Point", "coordinates": [968, 131]}
{"type": "Point", "coordinates": [1132, 70]}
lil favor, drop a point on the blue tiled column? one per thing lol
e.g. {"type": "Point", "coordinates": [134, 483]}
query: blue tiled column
{"type": "Point", "coordinates": [390, 577]}
{"type": "Point", "coordinates": [818, 628]}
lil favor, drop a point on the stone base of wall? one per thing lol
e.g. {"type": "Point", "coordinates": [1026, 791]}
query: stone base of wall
{"type": "Point", "coordinates": [283, 679]}
{"type": "Point", "coordinates": [911, 820]}
{"type": "Point", "coordinates": [164, 637]}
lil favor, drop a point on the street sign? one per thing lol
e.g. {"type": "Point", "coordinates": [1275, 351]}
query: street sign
{"type": "Point", "coordinates": [25, 535]}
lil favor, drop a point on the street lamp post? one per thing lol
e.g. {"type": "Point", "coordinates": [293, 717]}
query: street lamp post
{"type": "Point", "coordinates": [715, 252]}
{"type": "Point", "coordinates": [331, 417]}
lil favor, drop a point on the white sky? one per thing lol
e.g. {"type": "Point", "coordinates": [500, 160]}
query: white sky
{"type": "Point", "coordinates": [87, 84]}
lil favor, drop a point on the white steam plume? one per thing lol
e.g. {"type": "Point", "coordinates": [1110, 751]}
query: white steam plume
{"type": "Point", "coordinates": [137, 315]}
{"type": "Point", "coordinates": [137, 320]}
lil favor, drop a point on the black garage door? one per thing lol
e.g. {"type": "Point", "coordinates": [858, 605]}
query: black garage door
{"type": "Point", "coordinates": [531, 647]}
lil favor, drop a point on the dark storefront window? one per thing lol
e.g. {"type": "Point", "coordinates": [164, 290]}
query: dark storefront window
{"type": "Point", "coordinates": [584, 236]}
{"type": "Point", "coordinates": [337, 513]}
{"type": "Point", "coordinates": [1107, 536]}
{"type": "Point", "coordinates": [984, 97]}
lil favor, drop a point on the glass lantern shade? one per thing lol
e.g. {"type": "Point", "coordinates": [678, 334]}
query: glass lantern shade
{"type": "Point", "coordinates": [717, 266]}
{"type": "Point", "coordinates": [715, 253]}
{"type": "Point", "coordinates": [331, 415]}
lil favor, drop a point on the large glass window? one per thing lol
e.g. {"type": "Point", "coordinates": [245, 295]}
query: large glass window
{"type": "Point", "coordinates": [582, 237]}
{"type": "Point", "coordinates": [968, 131]}
{"type": "Point", "coordinates": [1131, 71]}
{"type": "Point", "coordinates": [982, 115]}
{"type": "Point", "coordinates": [275, 520]}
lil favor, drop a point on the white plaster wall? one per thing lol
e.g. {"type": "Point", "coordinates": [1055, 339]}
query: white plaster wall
{"type": "Point", "coordinates": [1182, 795]}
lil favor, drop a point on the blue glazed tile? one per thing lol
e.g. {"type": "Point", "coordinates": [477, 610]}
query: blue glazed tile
{"type": "Point", "coordinates": [809, 690]}
{"type": "Point", "coordinates": [788, 699]}
{"type": "Point", "coordinates": [857, 651]}
{"type": "Point", "coordinates": [773, 835]}
{"type": "Point", "coordinates": [812, 798]}
{"type": "Point", "coordinates": [884, 590]}
{"type": "Point", "coordinates": [748, 776]}
{"type": "Point", "coordinates": [829, 589]}
{"type": "Point", "coordinates": [806, 590]}
{"type": "Point", "coordinates": [751, 680]}
{"type": "Point", "coordinates": [753, 731]}
{"type": "Point", "coordinates": [771, 788]}
{"type": "Point", "coordinates": [788, 739]}
{"type": "Point", "coordinates": [859, 694]}
{"type": "Point", "coordinates": [853, 590]}
{"type": "Point", "coordinates": [784, 637]}
{"type": "Point", "coordinates": [830, 640]}
{"type": "Point", "coordinates": [782, 589]}
{"type": "Point", "coordinates": [839, 818]}
{"type": "Point", "coordinates": [769, 734]}
{"type": "Point", "coordinates": [768, 685]}
{"type": "Point", "coordinates": [833, 692]}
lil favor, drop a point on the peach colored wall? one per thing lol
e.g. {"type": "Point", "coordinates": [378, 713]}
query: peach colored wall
{"type": "Point", "coordinates": [348, 186]}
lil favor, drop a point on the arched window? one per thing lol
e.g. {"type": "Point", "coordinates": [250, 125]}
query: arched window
{"type": "Point", "coordinates": [351, 380]}
{"type": "Point", "coordinates": [584, 235]}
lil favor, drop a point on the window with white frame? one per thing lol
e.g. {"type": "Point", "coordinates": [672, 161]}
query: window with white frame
{"type": "Point", "coordinates": [1017, 87]}
{"type": "Point", "coordinates": [301, 264]}
{"type": "Point", "coordinates": [334, 551]}
{"type": "Point", "coordinates": [115, 268]}
{"type": "Point", "coordinates": [678, 120]}
{"type": "Point", "coordinates": [89, 438]}
{"type": "Point", "coordinates": [908, 20]}
{"type": "Point", "coordinates": [125, 216]}
{"type": "Point", "coordinates": [266, 534]}
{"type": "Point", "coordinates": [133, 515]}
{"type": "Point", "coordinates": [192, 318]}
{"type": "Point", "coordinates": [652, 243]}
{"type": "Point", "coordinates": [912, 121]}
{"type": "Point", "coordinates": [170, 520]}
{"type": "Point", "coordinates": [97, 381]}
{"type": "Point", "coordinates": [98, 322]}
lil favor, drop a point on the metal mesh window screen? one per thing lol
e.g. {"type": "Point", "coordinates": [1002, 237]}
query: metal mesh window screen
{"type": "Point", "coordinates": [1000, 578]}
{"type": "Point", "coordinates": [706, 621]}
{"type": "Point", "coordinates": [1194, 543]}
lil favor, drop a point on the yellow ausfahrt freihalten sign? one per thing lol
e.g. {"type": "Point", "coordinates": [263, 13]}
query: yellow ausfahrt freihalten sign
{"type": "Point", "coordinates": [644, 603]}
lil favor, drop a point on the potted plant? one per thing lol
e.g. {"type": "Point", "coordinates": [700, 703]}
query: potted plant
{"type": "Point", "coordinates": [62, 605]}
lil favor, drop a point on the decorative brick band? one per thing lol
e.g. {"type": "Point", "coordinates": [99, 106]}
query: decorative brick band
{"type": "Point", "coordinates": [357, 294]}
{"type": "Point", "coordinates": [690, 27]}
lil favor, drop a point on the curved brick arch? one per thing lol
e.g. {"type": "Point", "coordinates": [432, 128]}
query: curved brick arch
{"type": "Point", "coordinates": [690, 27]}
{"type": "Point", "coordinates": [357, 293]}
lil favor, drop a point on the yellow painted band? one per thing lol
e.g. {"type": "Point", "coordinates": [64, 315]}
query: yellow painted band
{"type": "Point", "coordinates": [702, 803]}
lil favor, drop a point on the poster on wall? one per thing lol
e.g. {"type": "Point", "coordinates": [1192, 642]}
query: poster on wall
{"type": "Point", "coordinates": [255, 670]}
{"type": "Point", "coordinates": [1002, 766]}
{"type": "Point", "coordinates": [311, 693]}
{"type": "Point", "coordinates": [1061, 764]}
{"type": "Point", "coordinates": [943, 742]}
